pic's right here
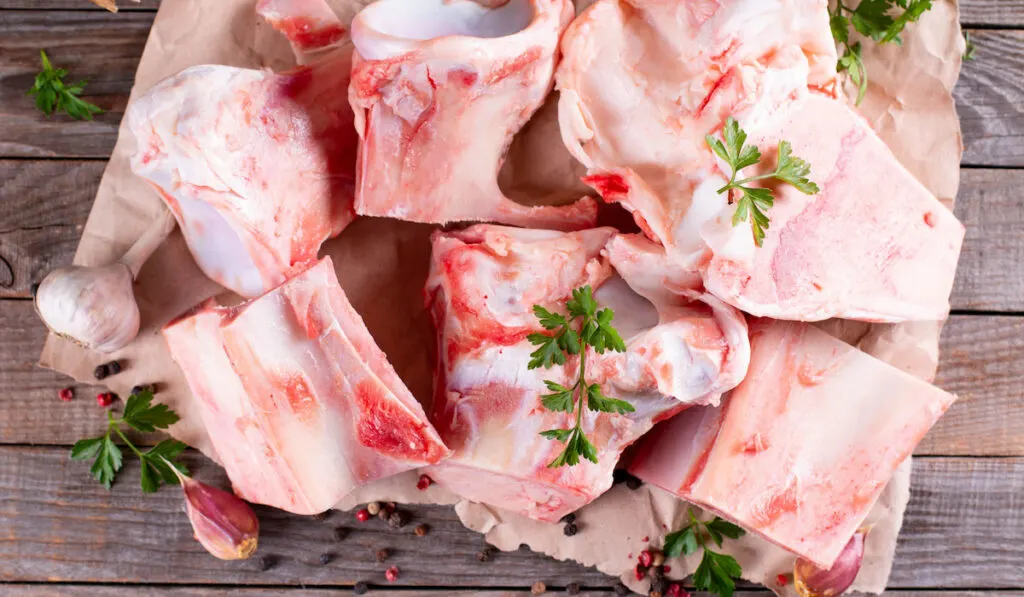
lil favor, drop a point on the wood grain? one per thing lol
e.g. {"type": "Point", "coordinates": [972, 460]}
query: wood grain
{"type": "Point", "coordinates": [123, 5]}
{"type": "Point", "coordinates": [999, 13]}
{"type": "Point", "coordinates": [13, 590]}
{"type": "Point", "coordinates": [962, 531]}
{"type": "Point", "coordinates": [44, 203]}
{"type": "Point", "coordinates": [990, 100]}
{"type": "Point", "coordinates": [95, 45]}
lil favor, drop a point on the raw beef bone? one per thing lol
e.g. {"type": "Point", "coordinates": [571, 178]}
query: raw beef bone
{"type": "Point", "coordinates": [311, 26]}
{"type": "Point", "coordinates": [483, 284]}
{"type": "Point", "coordinates": [257, 167]}
{"type": "Point", "coordinates": [439, 87]}
{"type": "Point", "coordinates": [299, 402]}
{"type": "Point", "coordinates": [800, 451]}
{"type": "Point", "coordinates": [641, 85]}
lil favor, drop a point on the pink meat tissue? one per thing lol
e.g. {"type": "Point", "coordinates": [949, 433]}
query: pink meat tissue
{"type": "Point", "coordinates": [435, 102]}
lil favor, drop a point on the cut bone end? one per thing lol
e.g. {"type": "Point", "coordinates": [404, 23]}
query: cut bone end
{"type": "Point", "coordinates": [390, 28]}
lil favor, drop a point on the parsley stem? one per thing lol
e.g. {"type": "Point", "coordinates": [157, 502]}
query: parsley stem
{"type": "Point", "coordinates": [115, 425]}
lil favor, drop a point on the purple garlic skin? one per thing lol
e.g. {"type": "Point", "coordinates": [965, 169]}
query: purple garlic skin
{"type": "Point", "coordinates": [223, 523]}
{"type": "Point", "coordinates": [811, 581]}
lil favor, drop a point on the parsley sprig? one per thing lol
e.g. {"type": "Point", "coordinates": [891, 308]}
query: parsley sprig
{"type": "Point", "coordinates": [717, 572]}
{"type": "Point", "coordinates": [142, 415]}
{"type": "Point", "coordinates": [585, 326]}
{"type": "Point", "coordinates": [881, 20]}
{"type": "Point", "coordinates": [53, 95]}
{"type": "Point", "coordinates": [754, 201]}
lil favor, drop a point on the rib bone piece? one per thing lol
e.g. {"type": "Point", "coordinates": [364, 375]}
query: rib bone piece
{"type": "Point", "coordinates": [683, 348]}
{"type": "Point", "coordinates": [801, 450]}
{"type": "Point", "coordinates": [299, 402]}
{"type": "Point", "coordinates": [439, 88]}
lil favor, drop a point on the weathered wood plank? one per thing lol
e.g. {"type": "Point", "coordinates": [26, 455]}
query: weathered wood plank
{"type": "Point", "coordinates": [1002, 13]}
{"type": "Point", "coordinates": [990, 276]}
{"type": "Point", "coordinates": [95, 45]}
{"type": "Point", "coordinates": [990, 100]}
{"type": "Point", "coordinates": [44, 203]}
{"type": "Point", "coordinates": [56, 524]}
{"type": "Point", "coordinates": [15, 590]}
{"type": "Point", "coordinates": [43, 207]}
{"type": "Point", "coordinates": [123, 5]}
{"type": "Point", "coordinates": [105, 48]}
{"type": "Point", "coordinates": [982, 361]}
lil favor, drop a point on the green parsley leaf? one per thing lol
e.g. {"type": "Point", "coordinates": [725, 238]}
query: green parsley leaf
{"type": "Point", "coordinates": [84, 449]}
{"type": "Point", "coordinates": [108, 462]}
{"type": "Point", "coordinates": [549, 320]}
{"type": "Point", "coordinates": [683, 541]}
{"type": "Point", "coordinates": [582, 303]}
{"type": "Point", "coordinates": [969, 48]}
{"type": "Point", "coordinates": [597, 401]}
{"type": "Point", "coordinates": [549, 352]}
{"type": "Point", "coordinates": [720, 527]}
{"type": "Point", "coordinates": [53, 95]}
{"type": "Point", "coordinates": [560, 400]}
{"type": "Point", "coordinates": [717, 573]}
{"type": "Point", "coordinates": [852, 63]}
{"type": "Point", "coordinates": [560, 435]}
{"type": "Point", "coordinates": [157, 463]}
{"type": "Point", "coordinates": [753, 202]}
{"type": "Point", "coordinates": [142, 415]}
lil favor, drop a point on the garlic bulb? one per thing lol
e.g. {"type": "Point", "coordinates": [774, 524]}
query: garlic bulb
{"type": "Point", "coordinates": [811, 581]}
{"type": "Point", "coordinates": [95, 306]}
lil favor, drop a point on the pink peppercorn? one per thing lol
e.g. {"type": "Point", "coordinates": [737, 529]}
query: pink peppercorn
{"type": "Point", "coordinates": [67, 394]}
{"type": "Point", "coordinates": [640, 572]}
{"type": "Point", "coordinates": [363, 515]}
{"type": "Point", "coordinates": [782, 579]}
{"type": "Point", "coordinates": [391, 574]}
{"type": "Point", "coordinates": [105, 399]}
{"type": "Point", "coordinates": [667, 568]}
{"type": "Point", "coordinates": [424, 482]}
{"type": "Point", "coordinates": [676, 590]}
{"type": "Point", "coordinates": [646, 557]}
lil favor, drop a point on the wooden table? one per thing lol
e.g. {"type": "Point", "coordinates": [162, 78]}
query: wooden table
{"type": "Point", "coordinates": [63, 534]}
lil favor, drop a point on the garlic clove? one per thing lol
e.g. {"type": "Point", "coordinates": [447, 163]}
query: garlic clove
{"type": "Point", "coordinates": [811, 581]}
{"type": "Point", "coordinates": [223, 523]}
{"type": "Point", "coordinates": [94, 306]}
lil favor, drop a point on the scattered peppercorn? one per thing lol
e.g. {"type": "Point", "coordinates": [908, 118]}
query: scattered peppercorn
{"type": "Point", "coordinates": [573, 588]}
{"type": "Point", "coordinates": [646, 558]}
{"type": "Point", "coordinates": [105, 399]}
{"type": "Point", "coordinates": [67, 394]}
{"type": "Point", "coordinates": [676, 590]}
{"type": "Point", "coordinates": [484, 555]}
{"type": "Point", "coordinates": [398, 519]}
{"type": "Point", "coordinates": [325, 558]}
{"type": "Point", "coordinates": [640, 572]}
{"type": "Point", "coordinates": [391, 574]}
{"type": "Point", "coordinates": [782, 579]}
{"type": "Point", "coordinates": [101, 371]}
{"type": "Point", "coordinates": [146, 387]}
{"type": "Point", "coordinates": [264, 563]}
{"type": "Point", "coordinates": [570, 529]}
{"type": "Point", "coordinates": [422, 530]}
{"type": "Point", "coordinates": [340, 533]}
{"type": "Point", "coordinates": [373, 508]}
{"type": "Point", "coordinates": [654, 593]}
{"type": "Point", "coordinates": [382, 555]}
{"type": "Point", "coordinates": [568, 518]}
{"type": "Point", "coordinates": [659, 558]}
{"type": "Point", "coordinates": [666, 569]}
{"type": "Point", "coordinates": [363, 515]}
{"type": "Point", "coordinates": [383, 514]}
{"type": "Point", "coordinates": [391, 506]}
{"type": "Point", "coordinates": [621, 590]}
{"type": "Point", "coordinates": [538, 588]}
{"type": "Point", "coordinates": [114, 367]}
{"type": "Point", "coordinates": [424, 482]}
{"type": "Point", "coordinates": [360, 588]}
{"type": "Point", "coordinates": [659, 584]}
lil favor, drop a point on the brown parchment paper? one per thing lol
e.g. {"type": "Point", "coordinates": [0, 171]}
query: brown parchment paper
{"type": "Point", "coordinates": [382, 266]}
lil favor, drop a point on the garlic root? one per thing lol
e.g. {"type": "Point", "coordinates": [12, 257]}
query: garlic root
{"type": "Point", "coordinates": [95, 306]}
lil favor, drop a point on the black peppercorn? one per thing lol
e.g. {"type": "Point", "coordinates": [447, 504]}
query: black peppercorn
{"type": "Point", "coordinates": [398, 519]}
{"type": "Point", "coordinates": [383, 514]}
{"type": "Point", "coordinates": [361, 588]}
{"type": "Point", "coordinates": [422, 530]}
{"type": "Point", "coordinates": [265, 562]}
{"type": "Point", "coordinates": [570, 529]}
{"type": "Point", "coordinates": [568, 518]}
{"type": "Point", "coordinates": [658, 583]}
{"type": "Point", "coordinates": [340, 533]}
{"type": "Point", "coordinates": [114, 367]}
{"type": "Point", "coordinates": [382, 555]}
{"type": "Point", "coordinates": [484, 555]}
{"type": "Point", "coordinates": [325, 558]}
{"type": "Point", "coordinates": [573, 588]}
{"type": "Point", "coordinates": [621, 590]}
{"type": "Point", "coordinates": [101, 371]}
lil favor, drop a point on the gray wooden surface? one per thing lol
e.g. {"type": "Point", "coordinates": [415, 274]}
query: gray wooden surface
{"type": "Point", "coordinates": [62, 534]}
